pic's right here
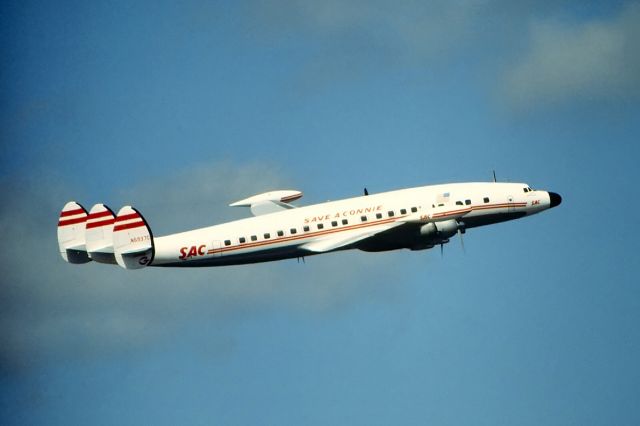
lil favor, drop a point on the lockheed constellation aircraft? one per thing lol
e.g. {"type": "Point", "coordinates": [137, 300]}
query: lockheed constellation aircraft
{"type": "Point", "coordinates": [414, 218]}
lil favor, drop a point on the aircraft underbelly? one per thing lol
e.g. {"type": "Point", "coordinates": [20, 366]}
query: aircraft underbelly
{"type": "Point", "coordinates": [489, 219]}
{"type": "Point", "coordinates": [392, 240]}
{"type": "Point", "coordinates": [267, 255]}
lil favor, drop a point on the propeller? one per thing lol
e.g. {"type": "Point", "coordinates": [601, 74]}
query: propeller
{"type": "Point", "coordinates": [462, 230]}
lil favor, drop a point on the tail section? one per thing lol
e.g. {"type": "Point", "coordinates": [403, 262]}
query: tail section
{"type": "Point", "coordinates": [132, 239]}
{"type": "Point", "coordinates": [99, 234]}
{"type": "Point", "coordinates": [71, 233]}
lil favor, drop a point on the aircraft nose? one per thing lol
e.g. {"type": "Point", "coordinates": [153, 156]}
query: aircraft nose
{"type": "Point", "coordinates": [554, 199]}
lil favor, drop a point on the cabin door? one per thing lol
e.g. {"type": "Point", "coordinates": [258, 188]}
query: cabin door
{"type": "Point", "coordinates": [216, 246]}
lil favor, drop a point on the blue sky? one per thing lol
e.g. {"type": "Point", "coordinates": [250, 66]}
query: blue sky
{"type": "Point", "coordinates": [180, 109]}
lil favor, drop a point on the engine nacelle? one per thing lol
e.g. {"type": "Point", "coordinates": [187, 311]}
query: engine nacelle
{"type": "Point", "coordinates": [442, 230]}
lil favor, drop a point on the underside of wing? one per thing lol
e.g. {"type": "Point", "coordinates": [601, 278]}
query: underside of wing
{"type": "Point", "coordinates": [348, 239]}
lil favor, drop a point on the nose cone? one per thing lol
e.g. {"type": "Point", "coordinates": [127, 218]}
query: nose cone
{"type": "Point", "coordinates": [554, 199]}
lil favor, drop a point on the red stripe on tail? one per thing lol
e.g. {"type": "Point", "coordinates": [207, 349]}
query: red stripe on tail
{"type": "Point", "coordinates": [72, 221]}
{"type": "Point", "coordinates": [100, 223]}
{"type": "Point", "coordinates": [128, 217]}
{"type": "Point", "coordinates": [128, 226]}
{"type": "Point", "coordinates": [72, 212]}
{"type": "Point", "coordinates": [99, 214]}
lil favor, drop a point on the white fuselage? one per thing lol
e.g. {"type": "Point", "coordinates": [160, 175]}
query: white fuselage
{"type": "Point", "coordinates": [287, 233]}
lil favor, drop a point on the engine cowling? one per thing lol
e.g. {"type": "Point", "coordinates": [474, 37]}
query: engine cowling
{"type": "Point", "coordinates": [441, 230]}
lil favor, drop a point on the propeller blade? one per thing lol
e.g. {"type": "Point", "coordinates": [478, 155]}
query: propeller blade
{"type": "Point", "coordinates": [462, 241]}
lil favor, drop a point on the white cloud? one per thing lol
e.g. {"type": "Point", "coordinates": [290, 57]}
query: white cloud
{"type": "Point", "coordinates": [417, 28]}
{"type": "Point", "coordinates": [53, 310]}
{"type": "Point", "coordinates": [593, 60]}
{"type": "Point", "coordinates": [348, 39]}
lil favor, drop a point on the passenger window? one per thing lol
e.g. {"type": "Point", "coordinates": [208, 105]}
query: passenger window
{"type": "Point", "coordinates": [320, 226]}
{"type": "Point", "coordinates": [334, 223]}
{"type": "Point", "coordinates": [458, 203]}
{"type": "Point", "coordinates": [467, 202]}
{"type": "Point", "coordinates": [280, 233]}
{"type": "Point", "coordinates": [345, 222]}
{"type": "Point", "coordinates": [486, 199]}
{"type": "Point", "coordinates": [267, 236]}
{"type": "Point", "coordinates": [414, 209]}
{"type": "Point", "coordinates": [254, 238]}
{"type": "Point", "coordinates": [305, 228]}
{"type": "Point", "coordinates": [378, 215]}
{"type": "Point", "coordinates": [242, 240]}
{"type": "Point", "coordinates": [293, 230]}
{"type": "Point", "coordinates": [403, 211]}
{"type": "Point", "coordinates": [390, 213]}
{"type": "Point", "coordinates": [227, 242]}
{"type": "Point", "coordinates": [363, 218]}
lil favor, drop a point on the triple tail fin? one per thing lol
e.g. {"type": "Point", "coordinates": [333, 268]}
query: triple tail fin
{"type": "Point", "coordinates": [99, 234]}
{"type": "Point", "coordinates": [132, 239]}
{"type": "Point", "coordinates": [71, 233]}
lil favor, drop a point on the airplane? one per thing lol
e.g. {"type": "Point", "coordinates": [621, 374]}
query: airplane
{"type": "Point", "coordinates": [414, 218]}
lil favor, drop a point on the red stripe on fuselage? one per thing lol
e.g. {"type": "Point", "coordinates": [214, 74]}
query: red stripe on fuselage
{"type": "Point", "coordinates": [498, 206]}
{"type": "Point", "coordinates": [453, 212]}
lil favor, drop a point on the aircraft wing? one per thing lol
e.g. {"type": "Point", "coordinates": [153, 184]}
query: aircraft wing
{"type": "Point", "coordinates": [269, 202]}
{"type": "Point", "coordinates": [346, 239]}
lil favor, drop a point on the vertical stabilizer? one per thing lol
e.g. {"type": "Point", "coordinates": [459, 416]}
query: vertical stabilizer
{"type": "Point", "coordinates": [71, 233]}
{"type": "Point", "coordinates": [132, 239]}
{"type": "Point", "coordinates": [99, 234]}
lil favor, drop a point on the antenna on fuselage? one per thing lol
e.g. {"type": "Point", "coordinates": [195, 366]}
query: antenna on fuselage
{"type": "Point", "coordinates": [494, 177]}
{"type": "Point", "coordinates": [366, 192]}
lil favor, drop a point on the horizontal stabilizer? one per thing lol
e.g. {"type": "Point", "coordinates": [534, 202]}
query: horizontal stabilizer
{"type": "Point", "coordinates": [99, 234]}
{"type": "Point", "coordinates": [132, 239]}
{"type": "Point", "coordinates": [71, 233]}
{"type": "Point", "coordinates": [269, 202]}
